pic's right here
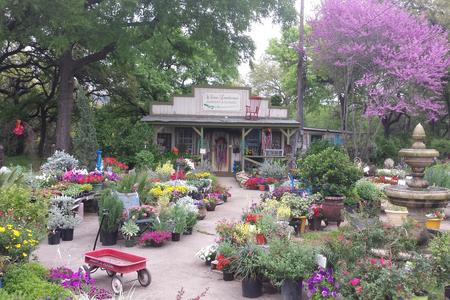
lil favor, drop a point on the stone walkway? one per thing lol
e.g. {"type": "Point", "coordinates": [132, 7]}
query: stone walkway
{"type": "Point", "coordinates": [174, 266]}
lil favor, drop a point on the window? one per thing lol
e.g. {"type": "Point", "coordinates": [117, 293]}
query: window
{"type": "Point", "coordinates": [316, 137]}
{"type": "Point", "coordinates": [164, 141]}
{"type": "Point", "coordinates": [185, 140]}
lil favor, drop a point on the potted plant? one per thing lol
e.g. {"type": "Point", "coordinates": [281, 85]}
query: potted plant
{"type": "Point", "coordinates": [396, 215]}
{"type": "Point", "coordinates": [434, 219]}
{"type": "Point", "coordinates": [299, 209]}
{"type": "Point", "coordinates": [370, 195]}
{"type": "Point", "coordinates": [265, 228]}
{"type": "Point", "coordinates": [248, 266]}
{"type": "Point", "coordinates": [210, 203]}
{"type": "Point", "coordinates": [287, 264]}
{"type": "Point", "coordinates": [207, 254]}
{"type": "Point", "coordinates": [129, 231]}
{"type": "Point", "coordinates": [421, 278]}
{"type": "Point", "coordinates": [54, 225]}
{"type": "Point", "coordinates": [191, 220]}
{"type": "Point", "coordinates": [322, 285]}
{"type": "Point", "coordinates": [440, 250]}
{"type": "Point", "coordinates": [333, 174]}
{"type": "Point", "coordinates": [111, 209]}
{"type": "Point", "coordinates": [201, 209]}
{"type": "Point", "coordinates": [315, 215]}
{"type": "Point", "coordinates": [177, 221]}
{"type": "Point", "coordinates": [68, 218]}
{"type": "Point", "coordinates": [226, 255]}
{"type": "Point", "coordinates": [4, 260]}
{"type": "Point", "coordinates": [155, 238]}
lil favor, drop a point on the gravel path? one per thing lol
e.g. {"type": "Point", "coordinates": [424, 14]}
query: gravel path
{"type": "Point", "coordinates": [173, 266]}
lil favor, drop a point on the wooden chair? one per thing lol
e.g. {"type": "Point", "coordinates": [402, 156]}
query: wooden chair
{"type": "Point", "coordinates": [252, 110]}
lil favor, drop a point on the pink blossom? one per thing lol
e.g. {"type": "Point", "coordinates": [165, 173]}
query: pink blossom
{"type": "Point", "coordinates": [355, 281]}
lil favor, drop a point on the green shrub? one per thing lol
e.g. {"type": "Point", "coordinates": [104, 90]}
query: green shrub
{"type": "Point", "coordinates": [274, 169]}
{"type": "Point", "coordinates": [320, 145]}
{"type": "Point", "coordinates": [31, 279]}
{"type": "Point", "coordinates": [438, 175]}
{"type": "Point", "coordinates": [330, 172]}
{"type": "Point", "coordinates": [19, 201]}
{"type": "Point", "coordinates": [109, 201]}
{"type": "Point", "coordinates": [440, 249]}
{"type": "Point", "coordinates": [145, 159]}
{"type": "Point", "coordinates": [367, 190]}
{"type": "Point", "coordinates": [441, 145]}
{"type": "Point", "coordinates": [388, 148]}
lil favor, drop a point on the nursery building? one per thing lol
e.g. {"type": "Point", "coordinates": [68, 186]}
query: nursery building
{"type": "Point", "coordinates": [228, 127]}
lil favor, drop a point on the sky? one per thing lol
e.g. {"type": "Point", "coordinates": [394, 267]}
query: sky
{"type": "Point", "coordinates": [265, 30]}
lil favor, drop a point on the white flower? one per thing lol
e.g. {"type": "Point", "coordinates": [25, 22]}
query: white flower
{"type": "Point", "coordinates": [5, 170]}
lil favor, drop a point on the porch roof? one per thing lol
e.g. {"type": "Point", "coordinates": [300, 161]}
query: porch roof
{"type": "Point", "coordinates": [219, 121]}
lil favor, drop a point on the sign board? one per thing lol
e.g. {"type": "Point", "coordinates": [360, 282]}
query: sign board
{"type": "Point", "coordinates": [225, 101]}
{"type": "Point", "coordinates": [202, 151]}
{"type": "Point", "coordinates": [321, 261]}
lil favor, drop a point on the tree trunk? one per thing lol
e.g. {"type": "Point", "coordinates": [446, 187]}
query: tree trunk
{"type": "Point", "coordinates": [343, 104]}
{"type": "Point", "coordinates": [43, 131]}
{"type": "Point", "coordinates": [65, 102]}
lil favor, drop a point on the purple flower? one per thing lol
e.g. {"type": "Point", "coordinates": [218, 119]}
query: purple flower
{"type": "Point", "coordinates": [325, 292]}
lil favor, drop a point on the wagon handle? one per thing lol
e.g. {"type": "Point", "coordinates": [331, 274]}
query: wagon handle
{"type": "Point", "coordinates": [105, 213]}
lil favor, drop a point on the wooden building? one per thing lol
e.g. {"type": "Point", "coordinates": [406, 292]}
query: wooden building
{"type": "Point", "coordinates": [227, 126]}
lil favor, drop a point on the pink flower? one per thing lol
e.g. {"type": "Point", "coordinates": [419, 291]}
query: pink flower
{"type": "Point", "coordinates": [373, 261]}
{"type": "Point", "coordinates": [382, 261]}
{"type": "Point", "coordinates": [359, 289]}
{"type": "Point", "coordinates": [355, 281]}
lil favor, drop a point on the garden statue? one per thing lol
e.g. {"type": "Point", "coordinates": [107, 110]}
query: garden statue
{"type": "Point", "coordinates": [99, 166]}
{"type": "Point", "coordinates": [417, 195]}
{"type": "Point", "coordinates": [389, 163]}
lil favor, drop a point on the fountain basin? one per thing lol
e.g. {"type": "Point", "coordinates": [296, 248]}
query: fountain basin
{"type": "Point", "coordinates": [431, 197]}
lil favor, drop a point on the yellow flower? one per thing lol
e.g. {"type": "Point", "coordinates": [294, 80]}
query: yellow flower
{"type": "Point", "coordinates": [28, 230]}
{"type": "Point", "coordinates": [9, 226]}
{"type": "Point", "coordinates": [30, 235]}
{"type": "Point", "coordinates": [25, 242]}
{"type": "Point", "coordinates": [18, 246]}
{"type": "Point", "coordinates": [16, 232]}
{"type": "Point", "coordinates": [2, 229]}
{"type": "Point", "coordinates": [24, 254]}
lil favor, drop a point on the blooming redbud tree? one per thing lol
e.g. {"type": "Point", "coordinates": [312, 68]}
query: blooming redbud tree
{"type": "Point", "coordinates": [394, 62]}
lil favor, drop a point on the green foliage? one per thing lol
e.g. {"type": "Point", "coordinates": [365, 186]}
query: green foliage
{"type": "Point", "coordinates": [132, 182]}
{"type": "Point", "coordinates": [367, 190]}
{"type": "Point", "coordinates": [145, 159]}
{"type": "Point", "coordinates": [27, 208]}
{"type": "Point", "coordinates": [320, 145]}
{"type": "Point", "coordinates": [129, 229]}
{"type": "Point", "coordinates": [438, 175]}
{"type": "Point", "coordinates": [330, 172]}
{"type": "Point", "coordinates": [440, 250]}
{"type": "Point", "coordinates": [110, 202]}
{"type": "Point", "coordinates": [14, 176]}
{"type": "Point", "coordinates": [299, 205]}
{"type": "Point", "coordinates": [85, 139]}
{"type": "Point", "coordinates": [31, 279]}
{"type": "Point", "coordinates": [177, 219]}
{"type": "Point", "coordinates": [288, 260]}
{"type": "Point", "coordinates": [227, 249]}
{"type": "Point", "coordinates": [58, 163]}
{"type": "Point", "coordinates": [441, 145]}
{"type": "Point", "coordinates": [274, 169]}
{"type": "Point", "coordinates": [249, 262]}
{"type": "Point", "coordinates": [388, 148]}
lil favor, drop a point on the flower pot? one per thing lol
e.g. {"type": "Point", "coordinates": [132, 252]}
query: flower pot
{"type": "Point", "coordinates": [97, 187]}
{"type": "Point", "coordinates": [315, 224]}
{"type": "Point", "coordinates": [434, 223]}
{"type": "Point", "coordinates": [67, 234]}
{"type": "Point", "coordinates": [396, 217]}
{"type": "Point", "coordinates": [291, 289]}
{"type": "Point", "coordinates": [188, 231]}
{"type": "Point", "coordinates": [269, 288]}
{"type": "Point", "coordinates": [302, 224]}
{"type": "Point", "coordinates": [223, 197]}
{"type": "Point", "coordinates": [208, 262]}
{"type": "Point", "coordinates": [228, 276]}
{"type": "Point", "coordinates": [201, 213]}
{"type": "Point", "coordinates": [260, 239]}
{"type": "Point", "coordinates": [109, 238]}
{"type": "Point", "coordinates": [130, 242]}
{"type": "Point", "coordinates": [332, 207]}
{"type": "Point", "coordinates": [176, 237]}
{"type": "Point", "coordinates": [262, 187]}
{"type": "Point", "coordinates": [54, 237]}
{"type": "Point", "coordinates": [251, 287]}
{"type": "Point", "coordinates": [156, 244]}
{"type": "Point", "coordinates": [211, 207]}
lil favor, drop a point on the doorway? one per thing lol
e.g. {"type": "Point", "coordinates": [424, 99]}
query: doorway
{"type": "Point", "coordinates": [220, 152]}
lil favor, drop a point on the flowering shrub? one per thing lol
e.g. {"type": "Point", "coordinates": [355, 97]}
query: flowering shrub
{"type": "Point", "coordinates": [208, 253]}
{"type": "Point", "coordinates": [299, 205]}
{"type": "Point", "coordinates": [322, 285]}
{"type": "Point", "coordinates": [224, 263]}
{"type": "Point", "coordinates": [253, 182]}
{"type": "Point", "coordinates": [278, 192]}
{"type": "Point", "coordinates": [141, 212]}
{"type": "Point", "coordinates": [178, 175]}
{"type": "Point", "coordinates": [155, 236]}
{"type": "Point", "coordinates": [78, 283]}
{"type": "Point", "coordinates": [113, 162]}
{"type": "Point", "coordinates": [225, 230]}
{"type": "Point", "coordinates": [161, 189]}
{"type": "Point", "coordinates": [164, 171]}
{"type": "Point", "coordinates": [185, 164]}
{"type": "Point", "coordinates": [252, 218]}
{"type": "Point", "coordinates": [58, 163]}
{"type": "Point", "coordinates": [83, 177]}
{"type": "Point", "coordinates": [315, 211]}
{"type": "Point", "coordinates": [16, 241]}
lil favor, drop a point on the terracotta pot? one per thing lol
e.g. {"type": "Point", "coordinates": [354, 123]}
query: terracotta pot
{"type": "Point", "coordinates": [315, 224]}
{"type": "Point", "coordinates": [260, 239]}
{"type": "Point", "coordinates": [396, 217]}
{"type": "Point", "coordinates": [434, 223]}
{"type": "Point", "coordinates": [332, 207]}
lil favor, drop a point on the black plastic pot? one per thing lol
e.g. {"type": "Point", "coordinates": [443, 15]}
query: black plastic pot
{"type": "Point", "coordinates": [54, 237]}
{"type": "Point", "coordinates": [67, 234]}
{"type": "Point", "coordinates": [176, 237]}
{"type": "Point", "coordinates": [447, 292]}
{"type": "Point", "coordinates": [188, 231]}
{"type": "Point", "coordinates": [109, 238]}
{"type": "Point", "coordinates": [315, 224]}
{"type": "Point", "coordinates": [251, 288]}
{"type": "Point", "coordinates": [130, 242]}
{"type": "Point", "coordinates": [291, 289]}
{"type": "Point", "coordinates": [228, 276]}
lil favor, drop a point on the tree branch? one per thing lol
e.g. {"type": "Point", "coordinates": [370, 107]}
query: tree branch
{"type": "Point", "coordinates": [94, 57]}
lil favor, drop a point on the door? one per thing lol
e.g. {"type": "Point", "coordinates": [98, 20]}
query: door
{"type": "Point", "coordinates": [220, 155]}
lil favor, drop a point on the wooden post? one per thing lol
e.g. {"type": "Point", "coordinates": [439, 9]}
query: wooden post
{"type": "Point", "coordinates": [242, 149]}
{"type": "Point", "coordinates": [202, 143]}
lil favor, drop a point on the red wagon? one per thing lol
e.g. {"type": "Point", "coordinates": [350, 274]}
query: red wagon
{"type": "Point", "coordinates": [117, 262]}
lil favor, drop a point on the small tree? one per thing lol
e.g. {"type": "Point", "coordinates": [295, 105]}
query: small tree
{"type": "Point", "coordinates": [85, 139]}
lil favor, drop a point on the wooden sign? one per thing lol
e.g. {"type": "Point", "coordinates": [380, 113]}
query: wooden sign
{"type": "Point", "coordinates": [221, 102]}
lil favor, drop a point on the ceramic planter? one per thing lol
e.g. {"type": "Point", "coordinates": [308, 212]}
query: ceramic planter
{"type": "Point", "coordinates": [396, 217]}
{"type": "Point", "coordinates": [228, 276]}
{"type": "Point", "coordinates": [434, 223]}
{"type": "Point", "coordinates": [176, 237]}
{"type": "Point", "coordinates": [251, 287]}
{"type": "Point", "coordinates": [67, 234]}
{"type": "Point", "coordinates": [54, 237]}
{"type": "Point", "coordinates": [332, 207]}
{"type": "Point", "coordinates": [109, 238]}
{"type": "Point", "coordinates": [291, 289]}
{"type": "Point", "coordinates": [315, 224]}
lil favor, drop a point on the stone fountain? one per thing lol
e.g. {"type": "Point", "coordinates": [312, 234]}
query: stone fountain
{"type": "Point", "coordinates": [417, 195]}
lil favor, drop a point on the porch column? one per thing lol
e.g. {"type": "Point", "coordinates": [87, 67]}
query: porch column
{"type": "Point", "coordinates": [156, 130]}
{"type": "Point", "coordinates": [244, 134]}
{"type": "Point", "coordinates": [200, 132]}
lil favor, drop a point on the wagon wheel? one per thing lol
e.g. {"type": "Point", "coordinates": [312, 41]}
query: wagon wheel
{"type": "Point", "coordinates": [87, 271]}
{"type": "Point", "coordinates": [116, 284]}
{"type": "Point", "coordinates": [110, 273]}
{"type": "Point", "coordinates": [144, 277]}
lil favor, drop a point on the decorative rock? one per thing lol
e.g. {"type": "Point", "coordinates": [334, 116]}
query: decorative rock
{"type": "Point", "coordinates": [389, 163]}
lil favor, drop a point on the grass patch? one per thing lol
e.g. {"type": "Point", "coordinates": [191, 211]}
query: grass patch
{"type": "Point", "coordinates": [23, 161]}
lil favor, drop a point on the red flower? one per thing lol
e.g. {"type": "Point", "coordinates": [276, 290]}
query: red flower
{"type": "Point", "coordinates": [114, 162]}
{"type": "Point", "coordinates": [178, 175]}
{"type": "Point", "coordinates": [222, 262]}
{"type": "Point", "coordinates": [252, 218]}
{"type": "Point", "coordinates": [355, 281]}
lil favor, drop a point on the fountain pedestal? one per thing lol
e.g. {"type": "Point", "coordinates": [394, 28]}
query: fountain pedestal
{"type": "Point", "coordinates": [417, 196]}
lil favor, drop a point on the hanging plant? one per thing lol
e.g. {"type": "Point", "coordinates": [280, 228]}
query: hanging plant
{"type": "Point", "coordinates": [19, 129]}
